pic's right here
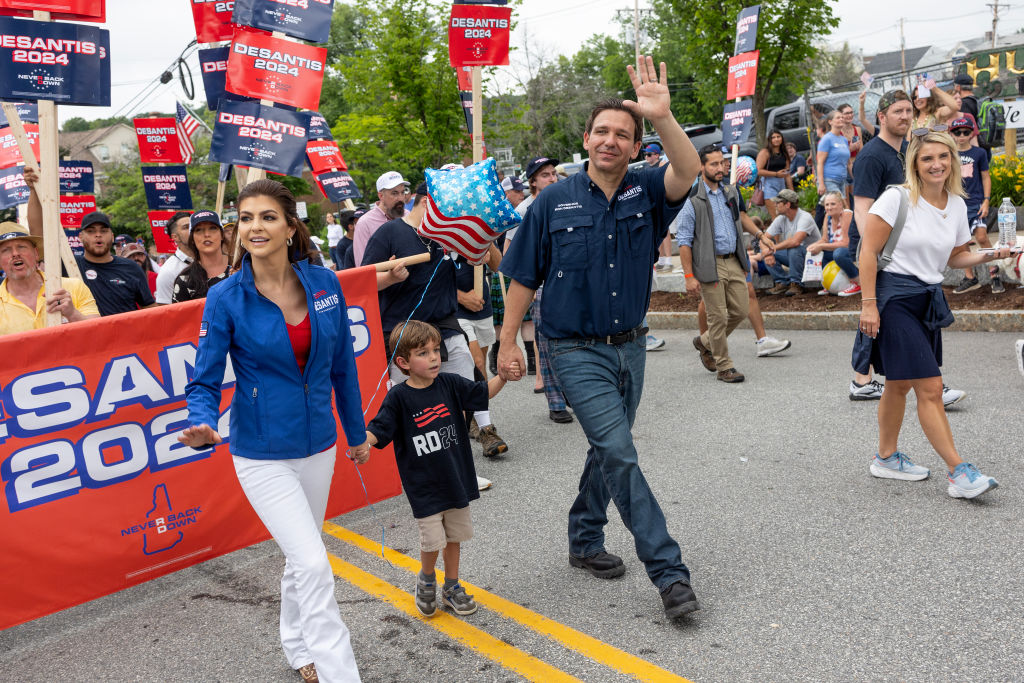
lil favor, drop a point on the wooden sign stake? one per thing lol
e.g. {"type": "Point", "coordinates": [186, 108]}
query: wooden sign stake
{"type": "Point", "coordinates": [478, 155]}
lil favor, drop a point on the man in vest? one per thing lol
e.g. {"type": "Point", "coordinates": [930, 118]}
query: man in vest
{"type": "Point", "coordinates": [714, 259]}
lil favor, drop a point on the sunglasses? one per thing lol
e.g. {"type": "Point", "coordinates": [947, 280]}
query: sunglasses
{"type": "Point", "coordinates": [653, 154]}
{"type": "Point", "coordinates": [921, 132]}
{"type": "Point", "coordinates": [963, 132]}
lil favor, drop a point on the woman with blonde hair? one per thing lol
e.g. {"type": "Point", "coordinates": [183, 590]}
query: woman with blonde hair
{"type": "Point", "coordinates": [903, 307]}
{"type": "Point", "coordinates": [835, 241]}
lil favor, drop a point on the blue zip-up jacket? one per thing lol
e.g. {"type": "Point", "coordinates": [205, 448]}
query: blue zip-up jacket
{"type": "Point", "coordinates": [276, 413]}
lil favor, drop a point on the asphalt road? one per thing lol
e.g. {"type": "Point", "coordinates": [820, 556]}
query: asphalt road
{"type": "Point", "coordinates": [808, 569]}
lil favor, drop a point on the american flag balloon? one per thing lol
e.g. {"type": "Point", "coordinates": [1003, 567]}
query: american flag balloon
{"type": "Point", "coordinates": [467, 209]}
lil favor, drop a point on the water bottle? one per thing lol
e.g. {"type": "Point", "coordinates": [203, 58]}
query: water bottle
{"type": "Point", "coordinates": [1007, 223]}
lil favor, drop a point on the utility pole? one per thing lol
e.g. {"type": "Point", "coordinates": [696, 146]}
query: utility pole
{"type": "Point", "coordinates": [995, 19]}
{"type": "Point", "coordinates": [636, 31]}
{"type": "Point", "coordinates": [903, 55]}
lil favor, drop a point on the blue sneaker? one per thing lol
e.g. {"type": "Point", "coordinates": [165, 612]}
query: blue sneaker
{"type": "Point", "coordinates": [654, 344]}
{"type": "Point", "coordinates": [898, 466]}
{"type": "Point", "coordinates": [967, 482]}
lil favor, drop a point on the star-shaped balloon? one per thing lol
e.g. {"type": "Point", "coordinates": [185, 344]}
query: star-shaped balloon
{"type": "Point", "coordinates": [467, 209]}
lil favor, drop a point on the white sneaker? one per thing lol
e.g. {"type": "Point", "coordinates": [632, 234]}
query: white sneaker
{"type": "Point", "coordinates": [678, 270]}
{"type": "Point", "coordinates": [951, 396]}
{"type": "Point", "coordinates": [872, 391]}
{"type": "Point", "coordinates": [483, 484]}
{"type": "Point", "coordinates": [967, 482]}
{"type": "Point", "coordinates": [1020, 356]}
{"type": "Point", "coordinates": [654, 344]}
{"type": "Point", "coordinates": [769, 346]}
{"type": "Point", "coordinates": [897, 466]}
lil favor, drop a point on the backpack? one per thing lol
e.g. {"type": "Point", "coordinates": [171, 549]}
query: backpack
{"type": "Point", "coordinates": [991, 122]}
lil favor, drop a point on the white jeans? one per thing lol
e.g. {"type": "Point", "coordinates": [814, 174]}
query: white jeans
{"type": "Point", "coordinates": [290, 497]}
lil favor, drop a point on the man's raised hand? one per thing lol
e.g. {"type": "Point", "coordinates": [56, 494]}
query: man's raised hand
{"type": "Point", "coordinates": [653, 101]}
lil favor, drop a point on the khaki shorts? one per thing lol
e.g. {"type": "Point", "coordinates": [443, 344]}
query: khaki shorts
{"type": "Point", "coordinates": [479, 331]}
{"type": "Point", "coordinates": [450, 526]}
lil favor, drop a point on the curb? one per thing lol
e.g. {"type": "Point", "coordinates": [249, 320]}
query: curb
{"type": "Point", "coordinates": [966, 321]}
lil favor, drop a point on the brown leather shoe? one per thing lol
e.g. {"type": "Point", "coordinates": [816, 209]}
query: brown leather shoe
{"type": "Point", "coordinates": [492, 443]}
{"type": "Point", "coordinates": [732, 376]}
{"type": "Point", "coordinates": [308, 673]}
{"type": "Point", "coordinates": [794, 289]}
{"type": "Point", "coordinates": [779, 288]}
{"type": "Point", "coordinates": [705, 354]}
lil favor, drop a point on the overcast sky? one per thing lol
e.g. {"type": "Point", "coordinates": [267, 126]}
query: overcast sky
{"type": "Point", "coordinates": [147, 35]}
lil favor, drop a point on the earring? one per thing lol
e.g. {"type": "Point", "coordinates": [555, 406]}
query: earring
{"type": "Point", "coordinates": [289, 241]}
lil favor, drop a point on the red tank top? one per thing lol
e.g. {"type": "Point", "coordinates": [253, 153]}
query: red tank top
{"type": "Point", "coordinates": [301, 336]}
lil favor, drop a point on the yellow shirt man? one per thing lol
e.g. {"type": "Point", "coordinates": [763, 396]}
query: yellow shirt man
{"type": "Point", "coordinates": [17, 317]}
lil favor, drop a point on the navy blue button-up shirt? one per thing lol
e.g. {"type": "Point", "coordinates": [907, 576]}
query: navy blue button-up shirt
{"type": "Point", "coordinates": [594, 257]}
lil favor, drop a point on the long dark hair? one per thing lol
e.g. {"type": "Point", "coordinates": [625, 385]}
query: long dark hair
{"type": "Point", "coordinates": [782, 145]}
{"type": "Point", "coordinates": [302, 247]}
{"type": "Point", "coordinates": [196, 279]}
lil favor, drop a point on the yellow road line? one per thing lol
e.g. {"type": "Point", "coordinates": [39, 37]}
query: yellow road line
{"type": "Point", "coordinates": [481, 642]}
{"type": "Point", "coordinates": [588, 646]}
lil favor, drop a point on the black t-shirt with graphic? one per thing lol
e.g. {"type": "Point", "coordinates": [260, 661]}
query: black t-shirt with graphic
{"type": "Point", "coordinates": [435, 460]}
{"type": "Point", "coordinates": [118, 286]}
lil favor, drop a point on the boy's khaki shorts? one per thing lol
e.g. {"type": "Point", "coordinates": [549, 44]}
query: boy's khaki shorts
{"type": "Point", "coordinates": [449, 526]}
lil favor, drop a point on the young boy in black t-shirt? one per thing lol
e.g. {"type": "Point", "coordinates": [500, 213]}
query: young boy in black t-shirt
{"type": "Point", "coordinates": [424, 417]}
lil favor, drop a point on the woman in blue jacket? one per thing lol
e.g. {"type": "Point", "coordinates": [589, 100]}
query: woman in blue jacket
{"type": "Point", "coordinates": [285, 324]}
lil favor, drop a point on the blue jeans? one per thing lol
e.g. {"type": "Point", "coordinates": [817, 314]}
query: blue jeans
{"type": "Point", "coordinates": [603, 384]}
{"type": "Point", "coordinates": [843, 257]}
{"type": "Point", "coordinates": [794, 258]}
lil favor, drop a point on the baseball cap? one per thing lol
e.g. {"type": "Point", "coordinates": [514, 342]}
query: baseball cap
{"type": "Point", "coordinates": [94, 218]}
{"type": "Point", "coordinates": [10, 230]}
{"type": "Point", "coordinates": [788, 195]}
{"type": "Point", "coordinates": [890, 97]}
{"type": "Point", "coordinates": [390, 180]}
{"type": "Point", "coordinates": [204, 216]}
{"type": "Point", "coordinates": [131, 248]}
{"type": "Point", "coordinates": [963, 79]}
{"type": "Point", "coordinates": [537, 163]}
{"type": "Point", "coordinates": [421, 189]}
{"type": "Point", "coordinates": [653, 148]}
{"type": "Point", "coordinates": [962, 122]}
{"type": "Point", "coordinates": [510, 183]}
{"type": "Point", "coordinates": [122, 239]}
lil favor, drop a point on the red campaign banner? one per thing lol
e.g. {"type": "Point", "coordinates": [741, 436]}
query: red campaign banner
{"type": "Point", "coordinates": [158, 140]}
{"type": "Point", "coordinates": [324, 155]}
{"type": "Point", "coordinates": [75, 10]}
{"type": "Point", "coordinates": [464, 74]}
{"type": "Point", "coordinates": [158, 226]}
{"type": "Point", "coordinates": [96, 486]}
{"type": "Point", "coordinates": [742, 75]}
{"type": "Point", "coordinates": [73, 208]}
{"type": "Point", "coordinates": [213, 20]}
{"type": "Point", "coordinates": [478, 35]}
{"type": "Point", "coordinates": [10, 153]}
{"type": "Point", "coordinates": [267, 68]}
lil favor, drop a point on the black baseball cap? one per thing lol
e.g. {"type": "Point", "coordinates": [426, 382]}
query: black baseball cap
{"type": "Point", "coordinates": [94, 218]}
{"type": "Point", "coordinates": [421, 189]}
{"type": "Point", "coordinates": [537, 163]}
{"type": "Point", "coordinates": [964, 79]}
{"type": "Point", "coordinates": [204, 216]}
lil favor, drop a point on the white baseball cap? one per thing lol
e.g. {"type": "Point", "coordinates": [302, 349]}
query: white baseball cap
{"type": "Point", "coordinates": [390, 180]}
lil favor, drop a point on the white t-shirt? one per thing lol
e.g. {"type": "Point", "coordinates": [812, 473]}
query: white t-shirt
{"type": "Point", "coordinates": [521, 210]}
{"type": "Point", "coordinates": [168, 274]}
{"type": "Point", "coordinates": [802, 222]}
{"type": "Point", "coordinates": [334, 234]}
{"type": "Point", "coordinates": [928, 237]}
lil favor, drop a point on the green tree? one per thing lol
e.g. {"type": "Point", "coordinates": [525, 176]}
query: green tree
{"type": "Point", "coordinates": [838, 69]}
{"type": "Point", "coordinates": [699, 36]}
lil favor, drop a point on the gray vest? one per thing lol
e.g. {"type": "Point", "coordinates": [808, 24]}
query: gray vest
{"type": "Point", "coordinates": [704, 267]}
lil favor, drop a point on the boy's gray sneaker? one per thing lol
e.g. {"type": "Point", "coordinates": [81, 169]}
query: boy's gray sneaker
{"type": "Point", "coordinates": [456, 599]}
{"type": "Point", "coordinates": [897, 466]}
{"type": "Point", "coordinates": [426, 597]}
{"type": "Point", "coordinates": [997, 285]}
{"type": "Point", "coordinates": [968, 284]}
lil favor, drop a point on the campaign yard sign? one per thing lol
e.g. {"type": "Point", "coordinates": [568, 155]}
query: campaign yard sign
{"type": "Point", "coordinates": [318, 128]}
{"type": "Point", "coordinates": [213, 20]}
{"type": "Point", "coordinates": [166, 188]}
{"type": "Point", "coordinates": [306, 19]}
{"type": "Point", "coordinates": [76, 176]}
{"type": "Point", "coordinates": [28, 112]}
{"type": "Point", "coordinates": [74, 208]}
{"type": "Point", "coordinates": [251, 134]}
{"type": "Point", "coordinates": [736, 122]}
{"type": "Point", "coordinates": [323, 155]}
{"type": "Point", "coordinates": [746, 29]}
{"type": "Point", "coordinates": [267, 68]}
{"type": "Point", "coordinates": [13, 190]}
{"type": "Point", "coordinates": [75, 10]}
{"type": "Point", "coordinates": [10, 153]}
{"type": "Point", "coordinates": [338, 186]}
{"type": "Point", "coordinates": [742, 75]}
{"type": "Point", "coordinates": [65, 63]}
{"type": "Point", "coordinates": [478, 35]}
{"type": "Point", "coordinates": [158, 140]}
{"type": "Point", "coordinates": [213, 63]}
{"type": "Point", "coordinates": [158, 221]}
